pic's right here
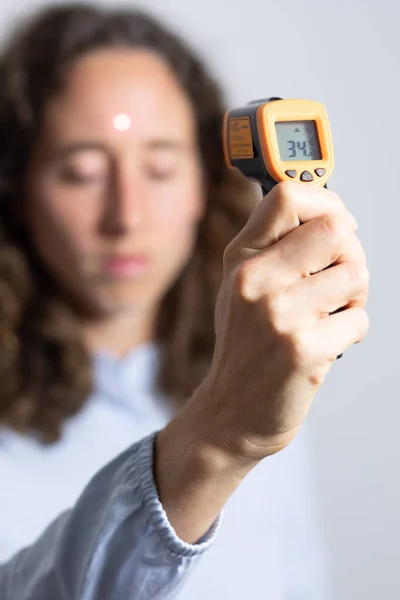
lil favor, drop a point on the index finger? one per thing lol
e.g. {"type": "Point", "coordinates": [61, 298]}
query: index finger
{"type": "Point", "coordinates": [287, 206]}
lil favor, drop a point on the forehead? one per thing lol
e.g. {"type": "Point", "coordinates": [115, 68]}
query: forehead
{"type": "Point", "coordinates": [112, 82]}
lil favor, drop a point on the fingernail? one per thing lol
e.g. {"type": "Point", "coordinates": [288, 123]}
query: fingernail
{"type": "Point", "coordinates": [353, 220]}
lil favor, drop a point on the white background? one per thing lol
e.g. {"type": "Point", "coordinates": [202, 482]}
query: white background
{"type": "Point", "coordinates": [345, 54]}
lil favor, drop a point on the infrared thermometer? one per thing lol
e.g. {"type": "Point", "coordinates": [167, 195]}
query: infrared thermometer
{"type": "Point", "coordinates": [274, 140]}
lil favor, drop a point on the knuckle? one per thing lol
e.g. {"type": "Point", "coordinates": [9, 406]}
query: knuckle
{"type": "Point", "coordinates": [298, 348]}
{"type": "Point", "coordinates": [339, 202]}
{"type": "Point", "coordinates": [333, 226]}
{"type": "Point", "coordinates": [245, 281]}
{"type": "Point", "coordinates": [279, 306]}
{"type": "Point", "coordinates": [284, 194]}
{"type": "Point", "coordinates": [357, 274]}
{"type": "Point", "coordinates": [336, 198]}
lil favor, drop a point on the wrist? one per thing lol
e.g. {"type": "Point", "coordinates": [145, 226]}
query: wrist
{"type": "Point", "coordinates": [196, 442]}
{"type": "Point", "coordinates": [228, 434]}
{"type": "Point", "coordinates": [194, 476]}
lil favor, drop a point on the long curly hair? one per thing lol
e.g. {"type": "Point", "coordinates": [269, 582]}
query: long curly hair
{"type": "Point", "coordinates": [45, 371]}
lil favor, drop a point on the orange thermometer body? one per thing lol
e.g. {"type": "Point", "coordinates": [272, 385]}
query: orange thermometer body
{"type": "Point", "coordinates": [277, 140]}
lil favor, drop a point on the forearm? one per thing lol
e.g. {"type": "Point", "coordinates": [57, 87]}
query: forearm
{"type": "Point", "coordinates": [194, 478]}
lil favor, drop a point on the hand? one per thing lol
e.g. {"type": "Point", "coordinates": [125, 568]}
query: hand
{"type": "Point", "coordinates": [276, 339]}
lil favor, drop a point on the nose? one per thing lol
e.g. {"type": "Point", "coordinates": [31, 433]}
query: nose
{"type": "Point", "coordinates": [127, 204]}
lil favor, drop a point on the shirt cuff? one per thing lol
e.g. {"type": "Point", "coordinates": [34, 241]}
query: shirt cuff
{"type": "Point", "coordinates": [156, 513]}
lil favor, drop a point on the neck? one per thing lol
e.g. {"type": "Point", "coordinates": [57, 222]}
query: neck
{"type": "Point", "coordinates": [119, 333]}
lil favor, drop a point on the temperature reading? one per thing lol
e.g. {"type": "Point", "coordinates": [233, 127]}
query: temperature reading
{"type": "Point", "coordinates": [301, 147]}
{"type": "Point", "coordinates": [298, 140]}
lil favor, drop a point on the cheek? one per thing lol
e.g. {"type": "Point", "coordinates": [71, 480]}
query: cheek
{"type": "Point", "coordinates": [60, 224]}
{"type": "Point", "coordinates": [175, 229]}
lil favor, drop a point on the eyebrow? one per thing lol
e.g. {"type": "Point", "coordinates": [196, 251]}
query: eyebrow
{"type": "Point", "coordinates": [156, 144]}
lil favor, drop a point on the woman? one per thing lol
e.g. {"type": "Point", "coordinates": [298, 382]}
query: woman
{"type": "Point", "coordinates": [115, 212]}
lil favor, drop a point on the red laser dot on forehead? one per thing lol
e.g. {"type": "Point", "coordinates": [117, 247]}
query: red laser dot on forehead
{"type": "Point", "coordinates": [122, 122]}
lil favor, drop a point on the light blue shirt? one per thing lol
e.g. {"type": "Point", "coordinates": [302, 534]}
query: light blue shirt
{"type": "Point", "coordinates": [116, 542]}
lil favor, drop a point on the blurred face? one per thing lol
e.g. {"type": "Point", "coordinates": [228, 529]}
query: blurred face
{"type": "Point", "coordinates": [114, 189]}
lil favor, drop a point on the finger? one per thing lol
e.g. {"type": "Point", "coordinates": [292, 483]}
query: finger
{"type": "Point", "coordinates": [342, 285]}
{"type": "Point", "coordinates": [316, 245]}
{"type": "Point", "coordinates": [286, 207]}
{"type": "Point", "coordinates": [336, 333]}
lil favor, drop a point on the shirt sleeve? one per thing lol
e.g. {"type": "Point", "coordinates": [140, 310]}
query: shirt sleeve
{"type": "Point", "coordinates": [116, 543]}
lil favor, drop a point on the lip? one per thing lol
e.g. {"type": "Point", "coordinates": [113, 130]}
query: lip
{"type": "Point", "coordinates": [125, 266]}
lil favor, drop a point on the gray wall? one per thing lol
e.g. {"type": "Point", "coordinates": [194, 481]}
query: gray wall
{"type": "Point", "coordinates": [343, 53]}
